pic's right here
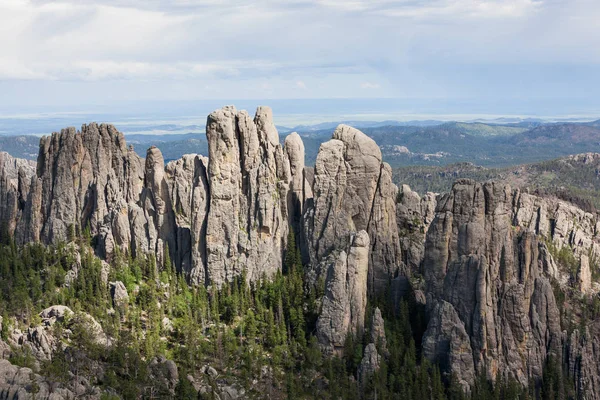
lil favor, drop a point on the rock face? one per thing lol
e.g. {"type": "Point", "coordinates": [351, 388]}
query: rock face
{"type": "Point", "coordinates": [216, 216]}
{"type": "Point", "coordinates": [369, 364]}
{"type": "Point", "coordinates": [378, 331]}
{"type": "Point", "coordinates": [165, 372]}
{"type": "Point", "coordinates": [345, 300]}
{"type": "Point", "coordinates": [55, 313]}
{"type": "Point", "coordinates": [83, 178]}
{"type": "Point", "coordinates": [189, 192]}
{"type": "Point", "coordinates": [15, 178]}
{"type": "Point", "coordinates": [294, 150]}
{"type": "Point", "coordinates": [119, 294]}
{"type": "Point", "coordinates": [446, 341]}
{"type": "Point", "coordinates": [249, 180]}
{"type": "Point", "coordinates": [353, 191]}
{"type": "Point", "coordinates": [561, 222]}
{"type": "Point", "coordinates": [582, 357]}
{"type": "Point", "coordinates": [413, 217]}
{"type": "Point", "coordinates": [492, 309]}
{"type": "Point", "coordinates": [18, 383]}
{"type": "Point", "coordinates": [481, 257]}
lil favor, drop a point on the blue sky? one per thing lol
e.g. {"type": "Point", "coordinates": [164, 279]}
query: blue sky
{"type": "Point", "coordinates": [501, 56]}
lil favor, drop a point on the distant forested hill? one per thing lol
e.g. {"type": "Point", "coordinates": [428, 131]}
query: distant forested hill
{"type": "Point", "coordinates": [484, 144]}
{"type": "Point", "coordinates": [574, 178]}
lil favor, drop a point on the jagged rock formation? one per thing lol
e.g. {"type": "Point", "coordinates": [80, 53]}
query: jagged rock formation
{"type": "Point", "coordinates": [582, 357]}
{"type": "Point", "coordinates": [345, 300]}
{"type": "Point", "coordinates": [482, 257]}
{"type": "Point", "coordinates": [82, 177]}
{"type": "Point", "coordinates": [561, 222]}
{"type": "Point", "coordinates": [378, 331]}
{"type": "Point", "coordinates": [369, 364]}
{"type": "Point", "coordinates": [216, 216]}
{"type": "Point", "coordinates": [119, 294]}
{"type": "Point", "coordinates": [15, 175]}
{"type": "Point", "coordinates": [294, 150]}
{"type": "Point", "coordinates": [249, 179]}
{"type": "Point", "coordinates": [413, 216]}
{"type": "Point", "coordinates": [43, 341]}
{"type": "Point", "coordinates": [353, 191]}
{"type": "Point", "coordinates": [492, 308]}
{"type": "Point", "coordinates": [22, 383]}
{"type": "Point", "coordinates": [189, 192]}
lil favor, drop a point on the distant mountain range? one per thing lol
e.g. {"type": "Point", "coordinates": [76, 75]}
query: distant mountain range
{"type": "Point", "coordinates": [499, 143]}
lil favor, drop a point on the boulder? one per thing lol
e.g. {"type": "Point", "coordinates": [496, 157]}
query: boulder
{"type": "Point", "coordinates": [119, 294]}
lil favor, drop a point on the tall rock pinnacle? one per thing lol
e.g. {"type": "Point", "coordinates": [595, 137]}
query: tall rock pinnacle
{"type": "Point", "coordinates": [353, 191]}
{"type": "Point", "coordinates": [249, 179]}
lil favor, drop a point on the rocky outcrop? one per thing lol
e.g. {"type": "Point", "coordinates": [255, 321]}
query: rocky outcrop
{"type": "Point", "coordinates": [413, 217]}
{"type": "Point", "coordinates": [371, 360]}
{"type": "Point", "coordinates": [15, 177]}
{"type": "Point", "coordinates": [582, 357]}
{"type": "Point", "coordinates": [294, 150]}
{"type": "Point", "coordinates": [482, 257]}
{"type": "Point", "coordinates": [55, 313]}
{"type": "Point", "coordinates": [345, 301]}
{"type": "Point", "coordinates": [83, 177]}
{"type": "Point", "coordinates": [369, 364]}
{"type": "Point", "coordinates": [165, 373]}
{"type": "Point", "coordinates": [378, 331]}
{"type": "Point", "coordinates": [216, 216]}
{"type": "Point", "coordinates": [189, 191]}
{"type": "Point", "coordinates": [492, 308]}
{"type": "Point", "coordinates": [119, 294]}
{"type": "Point", "coordinates": [446, 341]}
{"type": "Point", "coordinates": [559, 222]}
{"type": "Point", "coordinates": [353, 191]}
{"type": "Point", "coordinates": [249, 177]}
{"type": "Point", "coordinates": [22, 383]}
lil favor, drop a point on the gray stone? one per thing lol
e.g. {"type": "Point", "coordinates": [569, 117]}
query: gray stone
{"type": "Point", "coordinates": [345, 300]}
{"type": "Point", "coordinates": [369, 364]}
{"type": "Point", "coordinates": [353, 191]}
{"type": "Point", "coordinates": [378, 331]}
{"type": "Point", "coordinates": [247, 219]}
{"type": "Point", "coordinates": [119, 294]}
{"type": "Point", "coordinates": [491, 308]}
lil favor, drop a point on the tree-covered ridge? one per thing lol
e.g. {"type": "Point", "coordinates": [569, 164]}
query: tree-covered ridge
{"type": "Point", "coordinates": [257, 337]}
{"type": "Point", "coordinates": [574, 179]}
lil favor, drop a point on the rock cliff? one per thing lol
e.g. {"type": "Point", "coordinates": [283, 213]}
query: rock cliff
{"type": "Point", "coordinates": [15, 177]}
{"type": "Point", "coordinates": [486, 260]}
{"type": "Point", "coordinates": [249, 178]}
{"type": "Point", "coordinates": [488, 281]}
{"type": "Point", "coordinates": [345, 300]}
{"type": "Point", "coordinates": [217, 216]}
{"type": "Point", "coordinates": [353, 191]}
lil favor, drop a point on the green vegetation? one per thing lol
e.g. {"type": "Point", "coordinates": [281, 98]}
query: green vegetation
{"type": "Point", "coordinates": [251, 332]}
{"type": "Point", "coordinates": [571, 179]}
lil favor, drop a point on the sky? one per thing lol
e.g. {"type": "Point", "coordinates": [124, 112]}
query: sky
{"type": "Point", "coordinates": [448, 56]}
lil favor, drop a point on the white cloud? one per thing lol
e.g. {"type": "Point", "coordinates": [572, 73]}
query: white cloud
{"type": "Point", "coordinates": [318, 48]}
{"type": "Point", "coordinates": [459, 9]}
{"type": "Point", "coordinates": [369, 85]}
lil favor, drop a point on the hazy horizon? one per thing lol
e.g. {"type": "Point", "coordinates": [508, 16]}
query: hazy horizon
{"type": "Point", "coordinates": [287, 113]}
